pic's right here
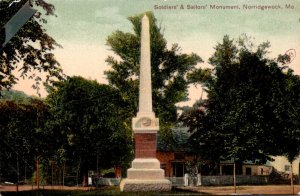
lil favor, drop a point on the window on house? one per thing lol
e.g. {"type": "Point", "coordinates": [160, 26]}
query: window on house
{"type": "Point", "coordinates": [287, 168]}
{"type": "Point", "coordinates": [248, 170]}
{"type": "Point", "coordinates": [178, 169]}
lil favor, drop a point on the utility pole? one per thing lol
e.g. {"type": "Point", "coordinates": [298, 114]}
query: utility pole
{"type": "Point", "coordinates": [292, 182]}
{"type": "Point", "coordinates": [97, 166]}
{"type": "Point", "coordinates": [234, 176]}
{"type": "Point", "coordinates": [18, 173]}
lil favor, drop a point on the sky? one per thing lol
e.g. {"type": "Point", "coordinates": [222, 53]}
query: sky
{"type": "Point", "coordinates": [82, 27]}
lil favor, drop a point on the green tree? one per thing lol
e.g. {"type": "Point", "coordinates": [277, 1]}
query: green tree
{"type": "Point", "coordinates": [248, 105]}
{"type": "Point", "coordinates": [252, 109]}
{"type": "Point", "coordinates": [88, 121]}
{"type": "Point", "coordinates": [30, 50]}
{"type": "Point", "coordinates": [22, 138]}
{"type": "Point", "coordinates": [169, 72]}
{"type": "Point", "coordinates": [287, 113]}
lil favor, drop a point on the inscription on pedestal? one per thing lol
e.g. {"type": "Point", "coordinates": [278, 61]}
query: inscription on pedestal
{"type": "Point", "coordinates": [145, 125]}
{"type": "Point", "coordinates": [145, 145]}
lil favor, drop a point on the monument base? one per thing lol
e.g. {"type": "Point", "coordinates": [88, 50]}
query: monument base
{"type": "Point", "coordinates": [145, 175]}
{"type": "Point", "coordinates": [143, 185]}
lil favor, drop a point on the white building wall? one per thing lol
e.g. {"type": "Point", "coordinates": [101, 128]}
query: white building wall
{"type": "Point", "coordinates": [281, 164]}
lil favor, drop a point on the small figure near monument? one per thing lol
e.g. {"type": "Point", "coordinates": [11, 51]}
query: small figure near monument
{"type": "Point", "coordinates": [145, 174]}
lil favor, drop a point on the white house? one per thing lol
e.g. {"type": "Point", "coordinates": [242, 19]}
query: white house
{"type": "Point", "coordinates": [281, 164]}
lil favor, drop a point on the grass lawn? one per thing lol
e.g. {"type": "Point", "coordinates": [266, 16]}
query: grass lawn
{"type": "Point", "coordinates": [100, 191]}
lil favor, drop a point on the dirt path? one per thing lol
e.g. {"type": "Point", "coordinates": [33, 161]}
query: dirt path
{"type": "Point", "coordinates": [228, 190]}
{"type": "Point", "coordinates": [225, 190]}
{"type": "Point", "coordinates": [29, 187]}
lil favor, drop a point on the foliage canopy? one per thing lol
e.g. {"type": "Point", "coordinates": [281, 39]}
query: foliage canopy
{"type": "Point", "coordinates": [29, 52]}
{"type": "Point", "coordinates": [252, 106]}
{"type": "Point", "coordinates": [169, 72]}
{"type": "Point", "coordinates": [88, 122]}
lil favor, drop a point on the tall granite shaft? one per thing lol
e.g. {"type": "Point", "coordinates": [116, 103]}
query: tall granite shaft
{"type": "Point", "coordinates": [145, 93]}
{"type": "Point", "coordinates": [145, 173]}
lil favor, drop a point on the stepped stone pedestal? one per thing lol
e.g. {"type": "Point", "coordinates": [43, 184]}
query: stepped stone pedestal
{"type": "Point", "coordinates": [145, 173]}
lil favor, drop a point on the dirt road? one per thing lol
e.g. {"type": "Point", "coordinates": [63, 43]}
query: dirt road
{"type": "Point", "coordinates": [28, 188]}
{"type": "Point", "coordinates": [213, 190]}
{"type": "Point", "coordinates": [228, 190]}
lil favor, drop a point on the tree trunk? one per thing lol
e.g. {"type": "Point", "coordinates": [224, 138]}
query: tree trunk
{"type": "Point", "coordinates": [118, 171]}
{"type": "Point", "coordinates": [84, 177]}
{"type": "Point", "coordinates": [37, 173]}
{"type": "Point", "coordinates": [52, 173]}
{"type": "Point", "coordinates": [63, 175]}
{"type": "Point", "coordinates": [84, 180]}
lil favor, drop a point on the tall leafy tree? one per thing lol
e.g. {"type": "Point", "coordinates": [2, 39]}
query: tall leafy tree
{"type": "Point", "coordinates": [252, 109]}
{"type": "Point", "coordinates": [89, 122]}
{"type": "Point", "coordinates": [249, 101]}
{"type": "Point", "coordinates": [287, 113]}
{"type": "Point", "coordinates": [22, 137]}
{"type": "Point", "coordinates": [29, 52]}
{"type": "Point", "coordinates": [169, 71]}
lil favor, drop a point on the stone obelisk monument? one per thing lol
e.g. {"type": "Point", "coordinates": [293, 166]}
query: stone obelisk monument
{"type": "Point", "coordinates": [145, 173]}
